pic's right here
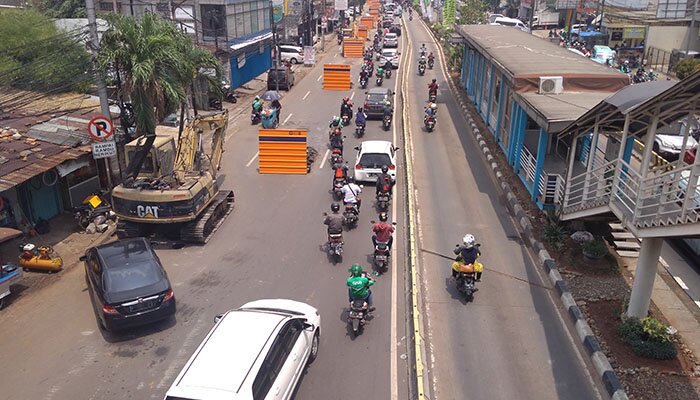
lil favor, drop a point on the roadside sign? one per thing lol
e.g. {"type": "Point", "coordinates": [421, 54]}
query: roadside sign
{"type": "Point", "coordinates": [104, 149]}
{"type": "Point", "coordinates": [309, 55]}
{"type": "Point", "coordinates": [100, 128]}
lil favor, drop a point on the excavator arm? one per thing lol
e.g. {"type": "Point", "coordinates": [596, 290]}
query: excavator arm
{"type": "Point", "coordinates": [190, 148]}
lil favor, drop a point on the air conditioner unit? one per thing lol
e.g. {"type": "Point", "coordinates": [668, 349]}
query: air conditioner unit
{"type": "Point", "coordinates": [551, 84]}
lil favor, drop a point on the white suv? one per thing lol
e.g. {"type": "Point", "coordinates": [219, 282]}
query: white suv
{"type": "Point", "coordinates": [255, 352]}
{"type": "Point", "coordinates": [371, 156]}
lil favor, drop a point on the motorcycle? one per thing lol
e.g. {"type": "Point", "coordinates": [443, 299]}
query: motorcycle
{"type": "Point", "coordinates": [359, 131]}
{"type": "Point", "coordinates": [338, 184]}
{"type": "Point", "coordinates": [336, 156]}
{"type": "Point", "coordinates": [386, 122]}
{"type": "Point", "coordinates": [387, 73]}
{"type": "Point", "coordinates": [345, 119]}
{"type": "Point", "coordinates": [410, 17]}
{"type": "Point", "coordinates": [421, 69]}
{"type": "Point", "coordinates": [358, 313]}
{"type": "Point", "coordinates": [229, 94]}
{"type": "Point", "coordinates": [381, 256]}
{"type": "Point", "coordinates": [363, 83]}
{"type": "Point", "coordinates": [334, 131]}
{"type": "Point", "coordinates": [429, 123]}
{"type": "Point", "coordinates": [383, 199]}
{"type": "Point", "coordinates": [351, 215]}
{"type": "Point", "coordinates": [92, 207]}
{"type": "Point", "coordinates": [380, 80]}
{"type": "Point", "coordinates": [431, 62]}
{"type": "Point", "coordinates": [335, 246]}
{"type": "Point", "coordinates": [255, 117]}
{"type": "Point", "coordinates": [432, 97]}
{"type": "Point", "coordinates": [465, 285]}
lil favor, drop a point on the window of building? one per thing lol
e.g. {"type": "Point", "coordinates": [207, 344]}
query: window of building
{"type": "Point", "coordinates": [248, 17]}
{"type": "Point", "coordinates": [213, 21]}
{"type": "Point", "coordinates": [109, 6]}
{"type": "Point", "coordinates": [672, 9]}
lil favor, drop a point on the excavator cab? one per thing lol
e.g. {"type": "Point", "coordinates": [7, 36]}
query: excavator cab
{"type": "Point", "coordinates": [160, 161]}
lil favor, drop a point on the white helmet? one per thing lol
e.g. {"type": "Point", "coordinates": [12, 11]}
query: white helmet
{"type": "Point", "coordinates": [434, 107]}
{"type": "Point", "coordinates": [468, 240]}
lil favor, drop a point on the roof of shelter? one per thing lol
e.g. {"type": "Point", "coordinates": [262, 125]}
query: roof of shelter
{"type": "Point", "coordinates": [674, 100]}
{"type": "Point", "coordinates": [523, 53]}
{"type": "Point", "coordinates": [555, 112]}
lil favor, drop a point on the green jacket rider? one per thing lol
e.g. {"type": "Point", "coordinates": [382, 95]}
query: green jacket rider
{"type": "Point", "coordinates": [359, 284]}
{"type": "Point", "coordinates": [380, 71]}
{"type": "Point", "coordinates": [257, 104]}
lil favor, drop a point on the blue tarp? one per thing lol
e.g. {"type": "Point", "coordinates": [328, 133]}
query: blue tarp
{"type": "Point", "coordinates": [252, 55]}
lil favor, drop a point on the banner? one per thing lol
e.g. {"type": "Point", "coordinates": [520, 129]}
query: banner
{"type": "Point", "coordinates": [277, 10]}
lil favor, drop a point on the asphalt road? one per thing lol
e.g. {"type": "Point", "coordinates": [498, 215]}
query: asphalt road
{"type": "Point", "coordinates": [511, 342]}
{"type": "Point", "coordinates": [269, 247]}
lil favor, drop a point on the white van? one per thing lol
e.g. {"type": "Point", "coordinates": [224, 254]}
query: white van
{"type": "Point", "coordinates": [256, 352]}
{"type": "Point", "coordinates": [514, 22]}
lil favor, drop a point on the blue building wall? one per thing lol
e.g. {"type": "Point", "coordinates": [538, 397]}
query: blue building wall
{"type": "Point", "coordinates": [258, 59]}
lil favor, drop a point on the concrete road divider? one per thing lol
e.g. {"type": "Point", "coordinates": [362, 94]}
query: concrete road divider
{"type": "Point", "coordinates": [282, 151]}
{"type": "Point", "coordinates": [337, 76]}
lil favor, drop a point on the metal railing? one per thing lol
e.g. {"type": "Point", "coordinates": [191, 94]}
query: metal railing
{"type": "Point", "coordinates": [528, 164]}
{"type": "Point", "coordinates": [551, 188]}
{"type": "Point", "coordinates": [589, 186]}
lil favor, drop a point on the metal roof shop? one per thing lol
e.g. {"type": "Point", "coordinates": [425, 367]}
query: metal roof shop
{"type": "Point", "coordinates": [527, 90]}
{"type": "Point", "coordinates": [44, 170]}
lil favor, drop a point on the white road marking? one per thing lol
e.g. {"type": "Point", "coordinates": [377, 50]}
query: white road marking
{"type": "Point", "coordinates": [319, 77]}
{"type": "Point", "coordinates": [697, 303]}
{"type": "Point", "coordinates": [287, 119]}
{"type": "Point", "coordinates": [325, 157]}
{"type": "Point", "coordinates": [307, 94]}
{"type": "Point", "coordinates": [252, 159]}
{"type": "Point", "coordinates": [680, 282]}
{"type": "Point", "coordinates": [335, 55]}
{"type": "Point", "coordinates": [352, 95]}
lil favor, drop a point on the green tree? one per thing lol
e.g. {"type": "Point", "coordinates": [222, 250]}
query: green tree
{"type": "Point", "coordinates": [449, 11]}
{"type": "Point", "coordinates": [686, 67]}
{"type": "Point", "coordinates": [62, 8]}
{"type": "Point", "coordinates": [35, 55]}
{"type": "Point", "coordinates": [157, 64]}
{"type": "Point", "coordinates": [473, 12]}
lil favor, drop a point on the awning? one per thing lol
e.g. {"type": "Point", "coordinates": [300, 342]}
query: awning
{"type": "Point", "coordinates": [250, 41]}
{"type": "Point", "coordinates": [71, 165]}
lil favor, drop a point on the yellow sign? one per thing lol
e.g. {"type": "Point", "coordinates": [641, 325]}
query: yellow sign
{"type": "Point", "coordinates": [93, 200]}
{"type": "Point", "coordinates": [633, 33]}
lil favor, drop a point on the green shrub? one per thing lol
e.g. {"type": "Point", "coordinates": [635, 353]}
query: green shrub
{"type": "Point", "coordinates": [595, 248]}
{"type": "Point", "coordinates": [686, 67]}
{"type": "Point", "coordinates": [554, 235]}
{"type": "Point", "coordinates": [648, 337]}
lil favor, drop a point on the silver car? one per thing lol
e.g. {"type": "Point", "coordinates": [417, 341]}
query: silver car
{"type": "Point", "coordinates": [391, 40]}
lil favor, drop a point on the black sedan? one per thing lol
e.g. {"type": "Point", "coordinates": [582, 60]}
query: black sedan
{"type": "Point", "coordinates": [127, 284]}
{"type": "Point", "coordinates": [378, 99]}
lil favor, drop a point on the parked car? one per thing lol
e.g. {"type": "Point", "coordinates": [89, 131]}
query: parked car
{"type": "Point", "coordinates": [128, 285]}
{"type": "Point", "coordinates": [371, 156]}
{"type": "Point", "coordinates": [258, 351]}
{"type": "Point", "coordinates": [601, 54]}
{"type": "Point", "coordinates": [492, 17]}
{"type": "Point", "coordinates": [391, 55]}
{"type": "Point", "coordinates": [669, 139]}
{"type": "Point", "coordinates": [282, 77]}
{"type": "Point", "coordinates": [377, 100]}
{"type": "Point", "coordinates": [512, 22]}
{"type": "Point", "coordinates": [293, 54]}
{"type": "Point", "coordinates": [391, 40]}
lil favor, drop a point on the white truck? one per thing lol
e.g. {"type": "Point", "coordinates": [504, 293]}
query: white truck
{"type": "Point", "coordinates": [545, 19]}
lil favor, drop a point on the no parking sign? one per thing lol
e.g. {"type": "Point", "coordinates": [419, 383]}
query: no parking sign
{"type": "Point", "coordinates": [100, 128]}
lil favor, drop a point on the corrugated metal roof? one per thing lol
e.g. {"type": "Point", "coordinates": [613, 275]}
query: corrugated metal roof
{"type": "Point", "coordinates": [521, 53]}
{"type": "Point", "coordinates": [559, 110]}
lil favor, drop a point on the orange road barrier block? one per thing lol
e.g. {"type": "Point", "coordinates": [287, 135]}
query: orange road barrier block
{"type": "Point", "coordinates": [363, 33]}
{"type": "Point", "coordinates": [336, 76]}
{"type": "Point", "coordinates": [353, 48]}
{"type": "Point", "coordinates": [367, 22]}
{"type": "Point", "coordinates": [282, 151]}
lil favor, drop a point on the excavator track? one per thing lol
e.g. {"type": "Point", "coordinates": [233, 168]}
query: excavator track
{"type": "Point", "coordinates": [201, 229]}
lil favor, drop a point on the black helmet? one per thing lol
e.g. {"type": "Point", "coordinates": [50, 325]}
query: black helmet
{"type": "Point", "coordinates": [434, 80]}
{"type": "Point", "coordinates": [335, 207]}
{"type": "Point", "coordinates": [350, 179]}
{"type": "Point", "coordinates": [383, 217]}
{"type": "Point", "coordinates": [385, 169]}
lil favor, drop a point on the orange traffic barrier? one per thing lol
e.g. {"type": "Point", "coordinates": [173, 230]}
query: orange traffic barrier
{"type": "Point", "coordinates": [353, 48]}
{"type": "Point", "coordinates": [336, 76]}
{"type": "Point", "coordinates": [362, 33]}
{"type": "Point", "coordinates": [282, 151]}
{"type": "Point", "coordinates": [367, 22]}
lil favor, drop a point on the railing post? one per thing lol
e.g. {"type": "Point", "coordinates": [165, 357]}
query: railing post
{"type": "Point", "coordinates": [591, 158]}
{"type": "Point", "coordinates": [646, 159]}
{"type": "Point", "coordinates": [620, 155]}
{"type": "Point", "coordinates": [570, 170]}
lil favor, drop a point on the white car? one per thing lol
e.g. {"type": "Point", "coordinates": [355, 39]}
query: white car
{"type": "Point", "coordinates": [512, 22]}
{"type": "Point", "coordinates": [392, 55]}
{"type": "Point", "coordinates": [258, 351]}
{"type": "Point", "coordinates": [371, 156]}
{"type": "Point", "coordinates": [294, 54]}
{"type": "Point", "coordinates": [391, 40]}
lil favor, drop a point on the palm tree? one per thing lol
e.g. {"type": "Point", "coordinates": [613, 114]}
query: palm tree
{"type": "Point", "coordinates": [157, 64]}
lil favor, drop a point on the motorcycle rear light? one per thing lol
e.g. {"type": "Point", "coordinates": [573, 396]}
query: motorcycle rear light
{"type": "Point", "coordinates": [169, 295]}
{"type": "Point", "coordinates": [107, 309]}
{"type": "Point", "coordinates": [358, 166]}
{"type": "Point", "coordinates": [392, 167]}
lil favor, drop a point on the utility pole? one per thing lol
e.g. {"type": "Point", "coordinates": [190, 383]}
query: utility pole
{"type": "Point", "coordinates": [533, 8]}
{"type": "Point", "coordinates": [323, 31]}
{"type": "Point", "coordinates": [600, 15]}
{"type": "Point", "coordinates": [275, 51]}
{"type": "Point", "coordinates": [101, 86]}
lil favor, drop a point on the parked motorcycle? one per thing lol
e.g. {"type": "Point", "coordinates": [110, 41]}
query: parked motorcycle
{"type": "Point", "coordinates": [351, 214]}
{"type": "Point", "coordinates": [386, 122]}
{"type": "Point", "coordinates": [229, 94]}
{"type": "Point", "coordinates": [421, 69]}
{"type": "Point", "coordinates": [255, 117]}
{"type": "Point", "coordinates": [429, 123]}
{"type": "Point", "coordinates": [92, 207]}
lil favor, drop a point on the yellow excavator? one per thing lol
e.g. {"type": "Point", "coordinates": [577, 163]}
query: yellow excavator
{"type": "Point", "coordinates": [171, 186]}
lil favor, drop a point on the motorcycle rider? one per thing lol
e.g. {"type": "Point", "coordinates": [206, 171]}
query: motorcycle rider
{"type": "Point", "coordinates": [334, 221]}
{"type": "Point", "coordinates": [467, 253]}
{"type": "Point", "coordinates": [380, 71]}
{"type": "Point", "coordinates": [421, 60]}
{"type": "Point", "coordinates": [364, 75]}
{"type": "Point", "coordinates": [388, 65]}
{"type": "Point", "coordinates": [337, 143]}
{"type": "Point", "coordinates": [431, 111]}
{"type": "Point", "coordinates": [384, 182]}
{"type": "Point", "coordinates": [382, 231]}
{"type": "Point", "coordinates": [351, 193]}
{"type": "Point", "coordinates": [387, 112]}
{"type": "Point", "coordinates": [431, 58]}
{"type": "Point", "coordinates": [433, 87]}
{"type": "Point", "coordinates": [346, 107]}
{"type": "Point", "coordinates": [423, 50]}
{"type": "Point", "coordinates": [360, 117]}
{"type": "Point", "coordinates": [335, 122]}
{"type": "Point", "coordinates": [358, 286]}
{"type": "Point", "coordinates": [257, 105]}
